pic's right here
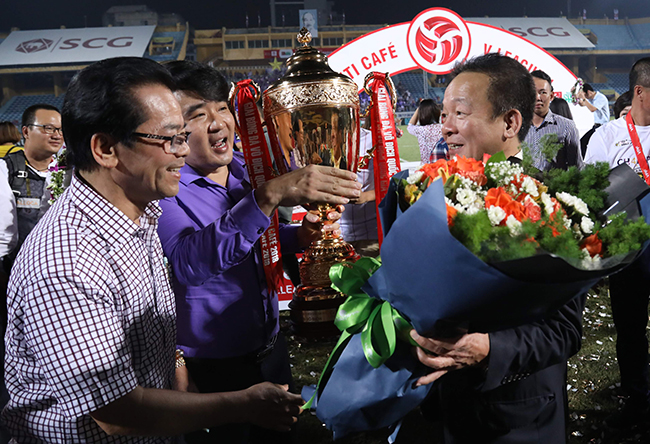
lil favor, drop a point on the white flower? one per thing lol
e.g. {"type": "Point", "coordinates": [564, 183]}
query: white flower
{"type": "Point", "coordinates": [496, 215]}
{"type": "Point", "coordinates": [502, 172]}
{"type": "Point", "coordinates": [415, 177]}
{"type": "Point", "coordinates": [587, 225]}
{"type": "Point", "coordinates": [588, 262]}
{"type": "Point", "coordinates": [529, 186]}
{"type": "Point", "coordinates": [581, 207]}
{"type": "Point", "coordinates": [473, 209]}
{"type": "Point", "coordinates": [567, 222]}
{"type": "Point", "coordinates": [548, 203]}
{"type": "Point", "coordinates": [465, 196]}
{"type": "Point", "coordinates": [514, 225]}
{"type": "Point", "coordinates": [451, 203]}
{"type": "Point", "coordinates": [573, 201]}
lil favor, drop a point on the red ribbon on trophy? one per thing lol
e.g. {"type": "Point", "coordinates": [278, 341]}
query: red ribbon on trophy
{"type": "Point", "coordinates": [381, 90]}
{"type": "Point", "coordinates": [260, 170]}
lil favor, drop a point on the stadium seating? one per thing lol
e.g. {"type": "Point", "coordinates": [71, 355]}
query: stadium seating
{"type": "Point", "coordinates": [641, 33]}
{"type": "Point", "coordinates": [612, 37]}
{"type": "Point", "coordinates": [14, 108]}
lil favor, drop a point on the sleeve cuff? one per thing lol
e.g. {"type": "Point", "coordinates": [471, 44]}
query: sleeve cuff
{"type": "Point", "coordinates": [499, 361]}
{"type": "Point", "coordinates": [249, 219]}
{"type": "Point", "coordinates": [103, 394]}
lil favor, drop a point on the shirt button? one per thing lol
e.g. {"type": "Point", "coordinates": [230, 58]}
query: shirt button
{"type": "Point", "coordinates": [260, 231]}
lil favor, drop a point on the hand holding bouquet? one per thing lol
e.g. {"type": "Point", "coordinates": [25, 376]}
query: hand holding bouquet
{"type": "Point", "coordinates": [470, 247]}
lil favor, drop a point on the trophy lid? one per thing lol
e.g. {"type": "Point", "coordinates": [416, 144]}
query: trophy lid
{"type": "Point", "coordinates": [308, 64]}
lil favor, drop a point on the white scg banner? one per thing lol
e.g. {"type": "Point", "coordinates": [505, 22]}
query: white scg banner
{"type": "Point", "coordinates": [436, 40]}
{"type": "Point", "coordinates": [54, 46]}
{"type": "Point", "coordinates": [545, 32]}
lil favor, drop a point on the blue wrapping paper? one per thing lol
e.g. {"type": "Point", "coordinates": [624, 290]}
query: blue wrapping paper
{"type": "Point", "coordinates": [358, 397]}
{"type": "Point", "coordinates": [442, 289]}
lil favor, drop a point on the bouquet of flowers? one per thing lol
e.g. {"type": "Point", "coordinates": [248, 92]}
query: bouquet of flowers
{"type": "Point", "coordinates": [499, 213]}
{"type": "Point", "coordinates": [58, 170]}
{"type": "Point", "coordinates": [464, 240]}
{"type": "Point", "coordinates": [575, 90]}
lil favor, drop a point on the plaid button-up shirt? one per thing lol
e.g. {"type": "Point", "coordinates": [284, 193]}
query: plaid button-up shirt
{"type": "Point", "coordinates": [567, 135]}
{"type": "Point", "coordinates": [91, 316]}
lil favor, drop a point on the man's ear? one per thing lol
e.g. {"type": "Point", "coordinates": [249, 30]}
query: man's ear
{"type": "Point", "coordinates": [639, 91]}
{"type": "Point", "coordinates": [25, 132]}
{"type": "Point", "coordinates": [103, 148]}
{"type": "Point", "coordinates": [512, 123]}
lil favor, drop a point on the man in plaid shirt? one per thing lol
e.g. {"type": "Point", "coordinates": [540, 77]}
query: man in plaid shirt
{"type": "Point", "coordinates": [92, 323]}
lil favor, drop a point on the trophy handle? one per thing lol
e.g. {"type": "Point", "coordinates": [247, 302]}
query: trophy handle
{"type": "Point", "coordinates": [232, 98]}
{"type": "Point", "coordinates": [389, 84]}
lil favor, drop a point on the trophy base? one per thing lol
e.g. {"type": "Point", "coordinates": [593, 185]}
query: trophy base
{"type": "Point", "coordinates": [315, 302]}
{"type": "Point", "coordinates": [315, 319]}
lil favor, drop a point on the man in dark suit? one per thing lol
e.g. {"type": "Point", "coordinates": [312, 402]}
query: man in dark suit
{"type": "Point", "coordinates": [507, 386]}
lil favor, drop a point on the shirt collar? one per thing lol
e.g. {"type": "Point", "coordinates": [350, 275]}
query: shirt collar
{"type": "Point", "coordinates": [236, 168]}
{"type": "Point", "coordinates": [549, 119]}
{"type": "Point", "coordinates": [109, 222]}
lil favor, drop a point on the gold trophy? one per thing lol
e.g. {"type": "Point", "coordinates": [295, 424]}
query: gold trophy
{"type": "Point", "coordinates": [312, 114]}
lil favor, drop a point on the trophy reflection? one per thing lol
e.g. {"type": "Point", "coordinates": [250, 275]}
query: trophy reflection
{"type": "Point", "coordinates": [312, 115]}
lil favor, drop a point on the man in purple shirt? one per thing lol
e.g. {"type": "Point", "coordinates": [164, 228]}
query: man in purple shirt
{"type": "Point", "coordinates": [227, 320]}
{"type": "Point", "coordinates": [91, 334]}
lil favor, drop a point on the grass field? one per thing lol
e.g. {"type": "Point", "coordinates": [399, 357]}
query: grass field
{"type": "Point", "coordinates": [592, 387]}
{"type": "Point", "coordinates": [408, 146]}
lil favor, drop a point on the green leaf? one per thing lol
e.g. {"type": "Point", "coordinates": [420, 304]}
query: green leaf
{"type": "Point", "coordinates": [498, 157]}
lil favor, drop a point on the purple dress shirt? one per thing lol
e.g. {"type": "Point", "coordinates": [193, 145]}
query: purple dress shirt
{"type": "Point", "coordinates": [210, 236]}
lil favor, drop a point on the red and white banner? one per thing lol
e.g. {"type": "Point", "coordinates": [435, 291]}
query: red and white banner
{"type": "Point", "coordinates": [260, 171]}
{"type": "Point", "coordinates": [384, 139]}
{"type": "Point", "coordinates": [436, 40]}
{"type": "Point", "coordinates": [53, 46]}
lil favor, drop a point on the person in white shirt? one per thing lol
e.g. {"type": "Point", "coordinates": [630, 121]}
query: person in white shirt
{"type": "Point", "coordinates": [359, 220]}
{"type": "Point", "coordinates": [596, 102]}
{"type": "Point", "coordinates": [629, 290]}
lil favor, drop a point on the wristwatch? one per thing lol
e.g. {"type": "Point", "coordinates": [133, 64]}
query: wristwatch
{"type": "Point", "coordinates": [180, 360]}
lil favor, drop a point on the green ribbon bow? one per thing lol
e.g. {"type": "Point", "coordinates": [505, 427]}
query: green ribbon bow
{"type": "Point", "coordinates": [379, 323]}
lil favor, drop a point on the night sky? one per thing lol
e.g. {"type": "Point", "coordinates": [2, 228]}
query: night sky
{"type": "Point", "coordinates": [208, 14]}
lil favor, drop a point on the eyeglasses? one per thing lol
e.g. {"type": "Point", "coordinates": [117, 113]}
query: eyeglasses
{"type": "Point", "coordinates": [48, 129]}
{"type": "Point", "coordinates": [176, 144]}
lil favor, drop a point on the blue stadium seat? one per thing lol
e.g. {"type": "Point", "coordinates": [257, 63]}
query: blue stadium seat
{"type": "Point", "coordinates": [14, 108]}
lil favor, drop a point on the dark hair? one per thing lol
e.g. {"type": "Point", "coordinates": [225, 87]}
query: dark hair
{"type": "Point", "coordinates": [100, 100]}
{"type": "Point", "coordinates": [542, 75]}
{"type": "Point", "coordinates": [29, 115]}
{"type": "Point", "coordinates": [511, 86]}
{"type": "Point", "coordinates": [587, 87]}
{"type": "Point", "coordinates": [9, 133]}
{"type": "Point", "coordinates": [623, 100]}
{"type": "Point", "coordinates": [199, 79]}
{"type": "Point", "coordinates": [640, 73]}
{"type": "Point", "coordinates": [559, 106]}
{"type": "Point", "coordinates": [428, 112]}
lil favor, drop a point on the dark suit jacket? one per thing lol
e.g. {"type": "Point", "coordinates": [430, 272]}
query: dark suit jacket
{"type": "Point", "coordinates": [521, 397]}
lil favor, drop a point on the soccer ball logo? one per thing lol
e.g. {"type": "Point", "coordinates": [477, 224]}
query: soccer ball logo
{"type": "Point", "coordinates": [36, 45]}
{"type": "Point", "coordinates": [437, 39]}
